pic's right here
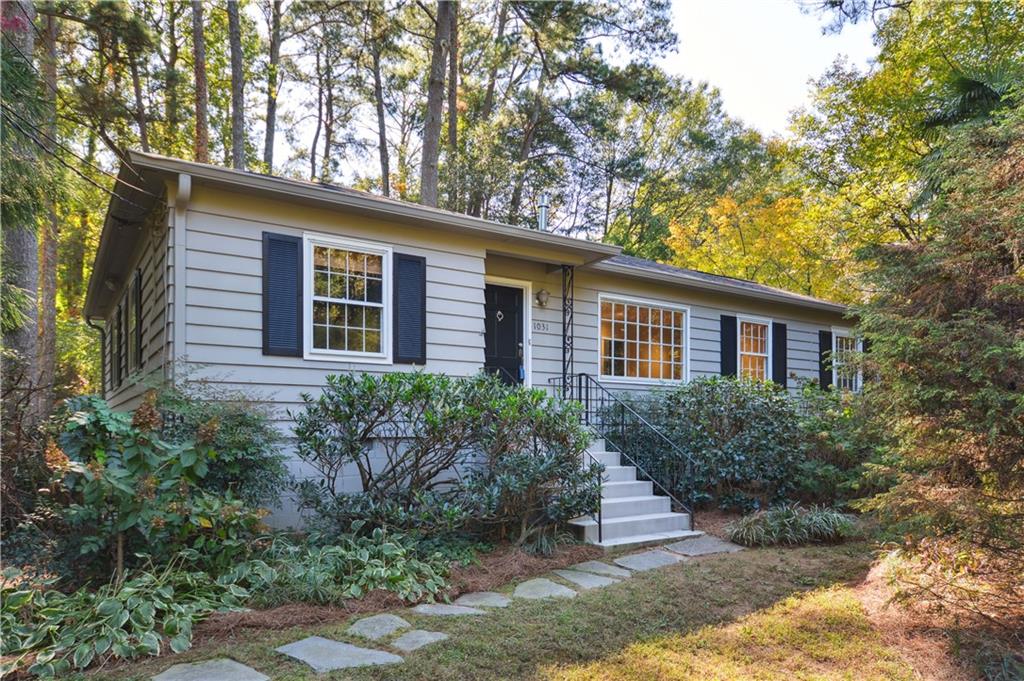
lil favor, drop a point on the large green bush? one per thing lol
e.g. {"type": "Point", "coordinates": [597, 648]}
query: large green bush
{"type": "Point", "coordinates": [123, 491]}
{"type": "Point", "coordinates": [529, 477]}
{"type": "Point", "coordinates": [247, 461]}
{"type": "Point", "coordinates": [844, 443]}
{"type": "Point", "coordinates": [742, 436]}
{"type": "Point", "coordinates": [408, 435]}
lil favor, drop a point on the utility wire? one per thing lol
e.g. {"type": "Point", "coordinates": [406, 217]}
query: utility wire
{"type": "Point", "coordinates": [71, 151]}
{"type": "Point", "coordinates": [60, 95]}
{"type": "Point", "coordinates": [47, 150]}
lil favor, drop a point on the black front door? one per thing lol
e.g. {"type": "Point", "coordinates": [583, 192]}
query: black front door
{"type": "Point", "coordinates": [503, 332]}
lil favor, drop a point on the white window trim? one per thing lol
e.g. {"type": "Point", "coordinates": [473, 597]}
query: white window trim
{"type": "Point", "coordinates": [527, 288]}
{"type": "Point", "coordinates": [316, 354]}
{"type": "Point", "coordinates": [617, 297]}
{"type": "Point", "coordinates": [768, 322]}
{"type": "Point", "coordinates": [846, 331]}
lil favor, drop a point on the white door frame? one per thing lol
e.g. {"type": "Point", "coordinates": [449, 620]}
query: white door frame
{"type": "Point", "coordinates": [527, 288]}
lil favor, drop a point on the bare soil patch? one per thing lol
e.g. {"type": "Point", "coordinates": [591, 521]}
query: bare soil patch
{"type": "Point", "coordinates": [713, 521]}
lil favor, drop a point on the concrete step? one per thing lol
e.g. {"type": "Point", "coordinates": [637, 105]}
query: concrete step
{"type": "Point", "coordinates": [619, 473]}
{"type": "Point", "coordinates": [619, 528]}
{"type": "Point", "coordinates": [619, 507]}
{"type": "Point", "coordinates": [634, 488]}
{"type": "Point", "coordinates": [641, 540]}
{"type": "Point", "coordinates": [601, 456]}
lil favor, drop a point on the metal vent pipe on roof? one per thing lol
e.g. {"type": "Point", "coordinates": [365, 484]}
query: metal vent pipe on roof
{"type": "Point", "coordinates": [542, 211]}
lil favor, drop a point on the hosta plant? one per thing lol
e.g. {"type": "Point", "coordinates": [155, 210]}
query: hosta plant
{"type": "Point", "coordinates": [49, 633]}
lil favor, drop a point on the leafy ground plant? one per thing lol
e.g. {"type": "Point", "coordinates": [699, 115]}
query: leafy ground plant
{"type": "Point", "coordinates": [791, 525]}
{"type": "Point", "coordinates": [350, 567]}
{"type": "Point", "coordinates": [48, 633]}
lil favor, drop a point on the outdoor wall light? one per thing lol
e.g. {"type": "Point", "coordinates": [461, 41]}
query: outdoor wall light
{"type": "Point", "coordinates": [542, 297]}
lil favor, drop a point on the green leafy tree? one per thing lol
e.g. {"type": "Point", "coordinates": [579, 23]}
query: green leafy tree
{"type": "Point", "coordinates": [946, 327]}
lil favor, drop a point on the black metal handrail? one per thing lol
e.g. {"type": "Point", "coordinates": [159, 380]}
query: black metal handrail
{"type": "Point", "coordinates": [598, 403]}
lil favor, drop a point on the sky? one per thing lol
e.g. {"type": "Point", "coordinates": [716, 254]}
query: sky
{"type": "Point", "coordinates": [761, 54]}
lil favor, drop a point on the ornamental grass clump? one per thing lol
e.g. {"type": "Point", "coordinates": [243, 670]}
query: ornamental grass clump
{"type": "Point", "coordinates": [792, 525]}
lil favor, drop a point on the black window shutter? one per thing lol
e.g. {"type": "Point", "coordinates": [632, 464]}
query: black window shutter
{"type": "Point", "coordinates": [138, 318]}
{"type": "Point", "coordinates": [410, 309]}
{"type": "Point", "coordinates": [282, 295]}
{"type": "Point", "coordinates": [779, 353]}
{"type": "Point", "coordinates": [824, 358]}
{"type": "Point", "coordinates": [728, 345]}
{"type": "Point", "coordinates": [118, 338]}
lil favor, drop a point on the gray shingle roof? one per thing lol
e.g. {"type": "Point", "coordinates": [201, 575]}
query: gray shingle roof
{"type": "Point", "coordinates": [729, 284]}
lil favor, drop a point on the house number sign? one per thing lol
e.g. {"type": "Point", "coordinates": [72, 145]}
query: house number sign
{"type": "Point", "coordinates": [540, 326]}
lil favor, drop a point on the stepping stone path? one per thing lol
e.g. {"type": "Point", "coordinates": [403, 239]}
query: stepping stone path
{"type": "Point", "coordinates": [486, 599]}
{"type": "Point", "coordinates": [535, 589]}
{"type": "Point", "coordinates": [324, 655]}
{"type": "Point", "coordinates": [417, 638]}
{"type": "Point", "coordinates": [648, 560]}
{"type": "Point", "coordinates": [599, 568]}
{"type": "Point", "coordinates": [378, 626]}
{"type": "Point", "coordinates": [585, 580]}
{"type": "Point", "coordinates": [703, 546]}
{"type": "Point", "coordinates": [221, 669]}
{"type": "Point", "coordinates": [445, 610]}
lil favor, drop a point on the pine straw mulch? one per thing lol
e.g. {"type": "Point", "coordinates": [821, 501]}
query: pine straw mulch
{"type": "Point", "coordinates": [494, 570]}
{"type": "Point", "coordinates": [713, 521]}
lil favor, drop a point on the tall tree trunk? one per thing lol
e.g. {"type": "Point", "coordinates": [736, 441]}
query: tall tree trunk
{"type": "Point", "coordinates": [382, 131]}
{"type": "Point", "coordinates": [237, 88]}
{"type": "Point", "coordinates": [319, 117]}
{"type": "Point", "coordinates": [20, 245]}
{"type": "Point", "coordinates": [435, 104]}
{"type": "Point", "coordinates": [172, 113]}
{"type": "Point", "coordinates": [140, 105]}
{"type": "Point", "coordinates": [73, 281]}
{"type": "Point", "coordinates": [476, 198]}
{"type": "Point", "coordinates": [47, 343]}
{"type": "Point", "coordinates": [524, 152]}
{"type": "Point", "coordinates": [272, 83]}
{"type": "Point", "coordinates": [453, 109]}
{"type": "Point", "coordinates": [328, 90]}
{"type": "Point", "coordinates": [202, 142]}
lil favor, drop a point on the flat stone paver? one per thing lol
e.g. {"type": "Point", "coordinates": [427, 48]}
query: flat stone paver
{"type": "Point", "coordinates": [445, 610]}
{"type": "Point", "coordinates": [324, 655]}
{"type": "Point", "coordinates": [417, 638]}
{"type": "Point", "coordinates": [378, 626]}
{"type": "Point", "coordinates": [599, 568]}
{"type": "Point", "coordinates": [221, 669]}
{"type": "Point", "coordinates": [542, 588]}
{"type": "Point", "coordinates": [487, 599]}
{"type": "Point", "coordinates": [648, 560]}
{"type": "Point", "coordinates": [585, 580]}
{"type": "Point", "coordinates": [703, 546]}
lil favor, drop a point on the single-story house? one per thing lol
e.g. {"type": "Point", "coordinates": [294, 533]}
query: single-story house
{"type": "Point", "coordinates": [267, 283]}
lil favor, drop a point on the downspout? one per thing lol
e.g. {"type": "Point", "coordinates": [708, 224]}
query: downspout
{"type": "Point", "coordinates": [181, 199]}
{"type": "Point", "coordinates": [103, 354]}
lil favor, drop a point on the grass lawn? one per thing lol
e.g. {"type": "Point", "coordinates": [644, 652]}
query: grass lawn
{"type": "Point", "coordinates": [765, 614]}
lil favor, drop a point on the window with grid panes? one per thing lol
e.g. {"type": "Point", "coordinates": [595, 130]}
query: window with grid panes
{"type": "Point", "coordinates": [753, 347]}
{"type": "Point", "coordinates": [348, 305]}
{"type": "Point", "coordinates": [641, 340]}
{"type": "Point", "coordinates": [845, 373]}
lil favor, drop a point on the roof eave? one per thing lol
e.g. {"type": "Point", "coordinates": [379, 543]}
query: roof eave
{"type": "Point", "coordinates": [371, 205]}
{"type": "Point", "coordinates": [721, 287]}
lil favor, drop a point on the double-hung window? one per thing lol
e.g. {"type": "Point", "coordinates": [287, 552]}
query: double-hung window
{"type": "Point", "coordinates": [642, 340]}
{"type": "Point", "coordinates": [348, 302]}
{"type": "Point", "coordinates": [753, 349]}
{"type": "Point", "coordinates": [846, 374]}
